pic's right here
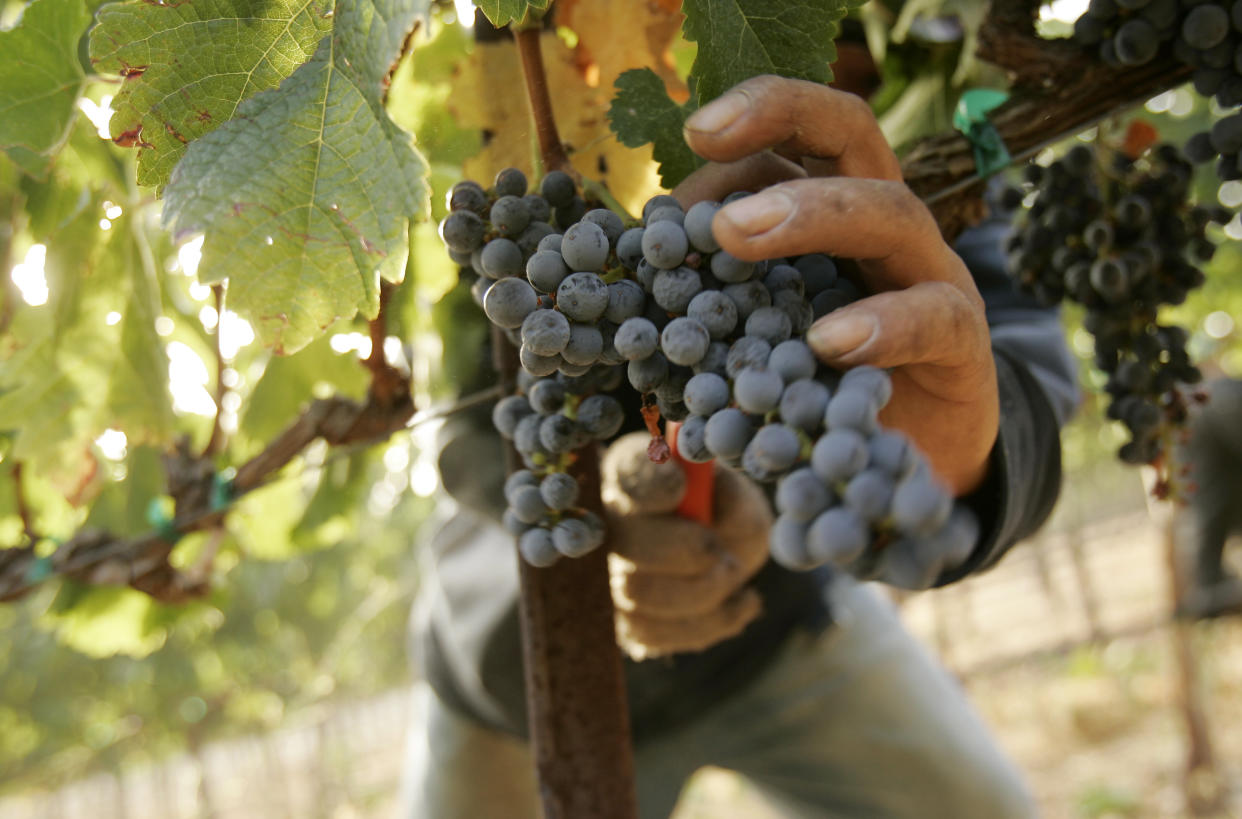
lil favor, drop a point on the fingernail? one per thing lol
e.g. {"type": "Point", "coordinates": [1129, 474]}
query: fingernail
{"type": "Point", "coordinates": [759, 213]}
{"type": "Point", "coordinates": [718, 114]}
{"type": "Point", "coordinates": [834, 337]}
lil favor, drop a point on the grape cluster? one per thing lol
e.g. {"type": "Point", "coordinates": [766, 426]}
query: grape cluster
{"type": "Point", "coordinates": [1119, 237]}
{"type": "Point", "coordinates": [547, 421]}
{"type": "Point", "coordinates": [708, 340]}
{"type": "Point", "coordinates": [1204, 35]}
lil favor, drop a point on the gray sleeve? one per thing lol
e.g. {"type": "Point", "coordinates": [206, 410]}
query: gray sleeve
{"type": "Point", "coordinates": [1037, 381]}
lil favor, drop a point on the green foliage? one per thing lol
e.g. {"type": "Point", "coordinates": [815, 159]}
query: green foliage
{"type": "Point", "coordinates": [502, 12]}
{"type": "Point", "coordinates": [736, 39]}
{"type": "Point", "coordinates": [188, 66]}
{"type": "Point", "coordinates": [739, 39]}
{"type": "Point", "coordinates": [40, 79]}
{"type": "Point", "coordinates": [306, 195]}
{"type": "Point", "coordinates": [642, 112]}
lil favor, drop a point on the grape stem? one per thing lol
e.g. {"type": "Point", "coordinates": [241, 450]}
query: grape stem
{"type": "Point", "coordinates": [530, 52]}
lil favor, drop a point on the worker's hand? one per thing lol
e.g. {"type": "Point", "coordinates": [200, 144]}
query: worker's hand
{"type": "Point", "coordinates": [678, 585]}
{"type": "Point", "coordinates": [843, 195]}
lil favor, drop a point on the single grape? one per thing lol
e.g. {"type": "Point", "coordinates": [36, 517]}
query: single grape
{"type": "Point", "coordinates": [607, 221]}
{"type": "Point", "coordinates": [585, 247]}
{"type": "Point", "coordinates": [748, 352]}
{"type": "Point", "coordinates": [509, 215]}
{"type": "Point", "coordinates": [507, 412]}
{"type": "Point", "coordinates": [601, 416]}
{"type": "Point", "coordinates": [730, 269]}
{"type": "Point", "coordinates": [758, 391]}
{"type": "Point", "coordinates": [706, 393]}
{"type": "Point", "coordinates": [626, 299]}
{"type": "Point", "coordinates": [872, 380]}
{"type": "Point", "coordinates": [802, 496]}
{"type": "Point", "coordinates": [551, 242]}
{"type": "Point", "coordinates": [698, 226]}
{"type": "Point", "coordinates": [692, 440]}
{"type": "Point", "coordinates": [546, 270]}
{"type": "Point", "coordinates": [666, 213]}
{"type": "Point", "coordinates": [684, 341]}
{"type": "Point", "coordinates": [803, 403]}
{"type": "Point", "coordinates": [665, 244]}
{"type": "Point", "coordinates": [1205, 26]}
{"type": "Point", "coordinates": [839, 455]}
{"type": "Point", "coordinates": [798, 309]}
{"type": "Point", "coordinates": [510, 182]}
{"type": "Point", "coordinates": [559, 433]}
{"type": "Point", "coordinates": [1226, 134]}
{"type": "Point", "coordinates": [540, 209]}
{"type": "Point", "coordinates": [920, 505]}
{"type": "Point", "coordinates": [509, 302]}
{"type": "Point", "coordinates": [582, 296]}
{"type": "Point", "coordinates": [468, 195]}
{"type": "Point", "coordinates": [636, 338]}
{"type": "Point", "coordinates": [869, 493]}
{"type": "Point", "coordinates": [645, 374]}
{"type": "Point", "coordinates": [891, 452]}
{"type": "Point", "coordinates": [818, 273]}
{"type": "Point", "coordinates": [837, 536]}
{"type": "Point", "coordinates": [1136, 42]}
{"type": "Point", "coordinates": [462, 231]}
{"type": "Point", "coordinates": [715, 311]}
{"type": "Point", "coordinates": [673, 290]}
{"type": "Point", "coordinates": [784, 277]}
{"type": "Point", "coordinates": [585, 345]}
{"type": "Point", "coordinates": [572, 538]}
{"type": "Point", "coordinates": [630, 248]}
{"type": "Point", "coordinates": [851, 408]}
{"type": "Point", "coordinates": [547, 396]}
{"type": "Point", "coordinates": [536, 364]}
{"type": "Point", "coordinates": [558, 188]}
{"type": "Point", "coordinates": [792, 360]}
{"type": "Point", "coordinates": [559, 491]}
{"type": "Point", "coordinates": [545, 332]}
{"type": "Point", "coordinates": [537, 548]}
{"type": "Point", "coordinates": [727, 433]}
{"type": "Point", "coordinates": [501, 258]}
{"type": "Point", "coordinates": [748, 297]}
{"type": "Point", "coordinates": [527, 504]}
{"type": "Point", "coordinates": [715, 360]}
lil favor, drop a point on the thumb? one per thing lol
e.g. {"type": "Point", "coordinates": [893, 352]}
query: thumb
{"type": "Point", "coordinates": [928, 323]}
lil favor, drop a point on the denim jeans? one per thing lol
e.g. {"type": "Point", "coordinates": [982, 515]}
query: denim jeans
{"type": "Point", "coordinates": [856, 720]}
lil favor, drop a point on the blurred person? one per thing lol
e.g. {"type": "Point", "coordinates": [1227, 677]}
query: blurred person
{"type": "Point", "coordinates": [1213, 455]}
{"type": "Point", "coordinates": [805, 683]}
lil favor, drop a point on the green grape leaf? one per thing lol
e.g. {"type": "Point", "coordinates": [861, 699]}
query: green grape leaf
{"type": "Point", "coordinates": [40, 78]}
{"type": "Point", "coordinates": [306, 196]}
{"type": "Point", "coordinates": [739, 39]}
{"type": "Point", "coordinates": [502, 12]}
{"type": "Point", "coordinates": [643, 112]}
{"type": "Point", "coordinates": [187, 66]}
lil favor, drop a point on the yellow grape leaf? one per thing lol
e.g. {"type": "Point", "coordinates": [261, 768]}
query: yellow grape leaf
{"type": "Point", "coordinates": [617, 35]}
{"type": "Point", "coordinates": [581, 118]}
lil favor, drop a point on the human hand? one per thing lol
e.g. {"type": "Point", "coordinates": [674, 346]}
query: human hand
{"type": "Point", "coordinates": [831, 184]}
{"type": "Point", "coordinates": [678, 585]}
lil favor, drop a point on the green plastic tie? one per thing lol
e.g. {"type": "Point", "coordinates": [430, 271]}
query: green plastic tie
{"type": "Point", "coordinates": [40, 569]}
{"type": "Point", "coordinates": [160, 516]}
{"type": "Point", "coordinates": [222, 490]}
{"type": "Point", "coordinates": [971, 119]}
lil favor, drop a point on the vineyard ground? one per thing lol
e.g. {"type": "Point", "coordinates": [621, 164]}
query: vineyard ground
{"type": "Point", "coordinates": [1095, 724]}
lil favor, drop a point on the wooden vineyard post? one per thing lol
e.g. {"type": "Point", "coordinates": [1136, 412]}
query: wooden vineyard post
{"type": "Point", "coordinates": [576, 704]}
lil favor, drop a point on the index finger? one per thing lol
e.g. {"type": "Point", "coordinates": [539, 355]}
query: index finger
{"type": "Point", "coordinates": [796, 117]}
